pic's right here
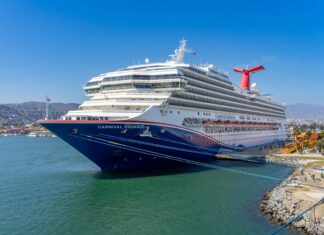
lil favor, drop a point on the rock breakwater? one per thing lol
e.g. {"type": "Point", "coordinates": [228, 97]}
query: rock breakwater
{"type": "Point", "coordinates": [295, 194]}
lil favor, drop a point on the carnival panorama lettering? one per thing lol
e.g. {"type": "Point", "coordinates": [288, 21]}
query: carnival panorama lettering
{"type": "Point", "coordinates": [120, 126]}
{"type": "Point", "coordinates": [225, 117]}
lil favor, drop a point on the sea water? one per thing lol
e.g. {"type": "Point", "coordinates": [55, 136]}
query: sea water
{"type": "Point", "coordinates": [47, 187]}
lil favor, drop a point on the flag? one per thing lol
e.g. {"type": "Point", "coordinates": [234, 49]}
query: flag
{"type": "Point", "coordinates": [47, 99]}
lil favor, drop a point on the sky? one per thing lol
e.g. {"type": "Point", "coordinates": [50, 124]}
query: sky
{"type": "Point", "coordinates": [54, 47]}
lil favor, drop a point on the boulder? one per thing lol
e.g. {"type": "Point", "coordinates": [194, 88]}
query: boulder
{"type": "Point", "coordinates": [299, 224]}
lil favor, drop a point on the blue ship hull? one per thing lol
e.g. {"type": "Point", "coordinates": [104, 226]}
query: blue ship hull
{"type": "Point", "coordinates": [114, 145]}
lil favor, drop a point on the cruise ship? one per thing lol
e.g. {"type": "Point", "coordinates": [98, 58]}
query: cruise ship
{"type": "Point", "coordinates": [146, 115]}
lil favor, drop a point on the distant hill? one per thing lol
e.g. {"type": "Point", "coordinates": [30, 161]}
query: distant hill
{"type": "Point", "coordinates": [29, 112]}
{"type": "Point", "coordinates": [305, 111]}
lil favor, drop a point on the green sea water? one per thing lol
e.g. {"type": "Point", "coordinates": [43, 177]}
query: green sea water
{"type": "Point", "coordinates": [46, 187]}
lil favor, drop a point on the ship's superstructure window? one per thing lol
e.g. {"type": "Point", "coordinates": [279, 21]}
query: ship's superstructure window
{"type": "Point", "coordinates": [117, 87]}
{"type": "Point", "coordinates": [92, 91]}
{"type": "Point", "coordinates": [167, 85]}
{"type": "Point", "coordinates": [92, 83]}
{"type": "Point", "coordinates": [143, 86]}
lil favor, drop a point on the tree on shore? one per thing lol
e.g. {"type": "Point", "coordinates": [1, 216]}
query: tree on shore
{"type": "Point", "coordinates": [320, 145]}
{"type": "Point", "coordinates": [299, 148]}
{"type": "Point", "coordinates": [307, 139]}
{"type": "Point", "coordinates": [321, 134]}
{"type": "Point", "coordinates": [296, 131]}
{"type": "Point", "coordinates": [308, 134]}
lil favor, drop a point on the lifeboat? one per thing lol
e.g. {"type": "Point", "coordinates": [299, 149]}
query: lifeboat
{"type": "Point", "coordinates": [208, 122]}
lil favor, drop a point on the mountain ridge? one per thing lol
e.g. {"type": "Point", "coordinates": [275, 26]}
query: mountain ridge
{"type": "Point", "coordinates": [31, 111]}
{"type": "Point", "coordinates": [305, 111]}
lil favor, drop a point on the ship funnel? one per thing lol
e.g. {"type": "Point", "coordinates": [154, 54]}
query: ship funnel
{"type": "Point", "coordinates": [245, 81]}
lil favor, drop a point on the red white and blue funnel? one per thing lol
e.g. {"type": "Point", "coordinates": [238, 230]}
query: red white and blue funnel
{"type": "Point", "coordinates": [245, 81]}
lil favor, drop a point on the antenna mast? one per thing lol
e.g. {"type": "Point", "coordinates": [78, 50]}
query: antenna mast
{"type": "Point", "coordinates": [178, 56]}
{"type": "Point", "coordinates": [47, 106]}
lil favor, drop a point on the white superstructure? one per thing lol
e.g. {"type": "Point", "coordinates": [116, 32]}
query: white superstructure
{"type": "Point", "coordinates": [198, 97]}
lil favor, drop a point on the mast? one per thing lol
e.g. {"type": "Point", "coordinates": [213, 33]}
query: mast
{"type": "Point", "coordinates": [47, 99]}
{"type": "Point", "coordinates": [178, 56]}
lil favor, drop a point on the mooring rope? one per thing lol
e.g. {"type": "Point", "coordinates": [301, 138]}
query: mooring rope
{"type": "Point", "coordinates": [298, 216]}
{"type": "Point", "coordinates": [168, 157]}
{"type": "Point", "coordinates": [178, 159]}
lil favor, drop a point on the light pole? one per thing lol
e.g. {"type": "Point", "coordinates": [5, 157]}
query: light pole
{"type": "Point", "coordinates": [47, 106]}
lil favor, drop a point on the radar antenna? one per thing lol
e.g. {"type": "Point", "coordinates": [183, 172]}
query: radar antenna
{"type": "Point", "coordinates": [178, 56]}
